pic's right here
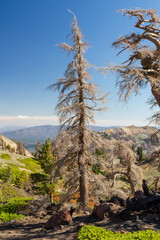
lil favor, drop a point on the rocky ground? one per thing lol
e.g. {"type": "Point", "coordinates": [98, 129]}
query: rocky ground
{"type": "Point", "coordinates": [138, 212]}
{"type": "Point", "coordinates": [32, 228]}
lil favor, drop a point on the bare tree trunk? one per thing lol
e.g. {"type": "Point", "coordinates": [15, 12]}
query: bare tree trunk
{"type": "Point", "coordinates": [51, 193]}
{"type": "Point", "coordinates": [131, 184]}
{"type": "Point", "coordinates": [83, 182]}
{"type": "Point", "coordinates": [156, 94]}
{"type": "Point", "coordinates": [113, 179]}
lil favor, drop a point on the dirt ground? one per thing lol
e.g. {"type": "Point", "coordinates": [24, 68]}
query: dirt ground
{"type": "Point", "coordinates": [32, 228]}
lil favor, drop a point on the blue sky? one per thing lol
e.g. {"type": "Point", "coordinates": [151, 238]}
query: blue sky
{"type": "Point", "coordinates": [30, 61]}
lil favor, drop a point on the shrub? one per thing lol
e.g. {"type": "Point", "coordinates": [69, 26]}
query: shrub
{"type": "Point", "coordinates": [40, 183]}
{"type": "Point", "coordinates": [8, 191]}
{"type": "Point", "coordinates": [5, 174]}
{"type": "Point", "coordinates": [14, 205]}
{"type": "Point", "coordinates": [97, 170]}
{"type": "Point", "coordinates": [8, 147]}
{"type": "Point", "coordinates": [97, 233]}
{"type": "Point", "coordinates": [9, 210]}
{"type": "Point", "coordinates": [6, 217]}
{"type": "Point", "coordinates": [5, 156]}
{"type": "Point", "coordinates": [15, 176]}
{"type": "Point", "coordinates": [123, 178]}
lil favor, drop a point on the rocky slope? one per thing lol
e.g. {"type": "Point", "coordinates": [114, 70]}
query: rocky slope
{"type": "Point", "coordinates": [146, 137]}
{"type": "Point", "coordinates": [12, 146]}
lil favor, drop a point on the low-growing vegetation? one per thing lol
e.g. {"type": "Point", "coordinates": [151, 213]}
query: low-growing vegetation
{"type": "Point", "coordinates": [5, 156]}
{"type": "Point", "coordinates": [97, 233]}
{"type": "Point", "coordinates": [31, 164]}
{"type": "Point", "coordinates": [8, 191]}
{"type": "Point", "coordinates": [10, 209]}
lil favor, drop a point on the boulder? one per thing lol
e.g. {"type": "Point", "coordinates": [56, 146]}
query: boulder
{"type": "Point", "coordinates": [101, 210]}
{"type": "Point", "coordinates": [59, 218]}
{"type": "Point", "coordinates": [117, 200]}
{"type": "Point", "coordinates": [139, 194]}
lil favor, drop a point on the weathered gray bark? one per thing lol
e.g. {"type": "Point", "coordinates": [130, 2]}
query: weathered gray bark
{"type": "Point", "coordinates": [83, 182]}
{"type": "Point", "coordinates": [77, 103]}
{"type": "Point", "coordinates": [143, 63]}
{"type": "Point", "coordinates": [156, 94]}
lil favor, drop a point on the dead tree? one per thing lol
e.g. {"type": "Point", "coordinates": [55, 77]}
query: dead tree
{"type": "Point", "coordinates": [38, 148]}
{"type": "Point", "coordinates": [20, 148]}
{"type": "Point", "coordinates": [126, 165]}
{"type": "Point", "coordinates": [154, 158]}
{"type": "Point", "coordinates": [143, 64]}
{"type": "Point", "coordinates": [77, 102]}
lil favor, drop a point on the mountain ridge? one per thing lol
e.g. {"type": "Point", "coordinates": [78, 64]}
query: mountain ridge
{"type": "Point", "coordinates": [6, 143]}
{"type": "Point", "coordinates": [30, 136]}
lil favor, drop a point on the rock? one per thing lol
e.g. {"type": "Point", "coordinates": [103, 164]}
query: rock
{"type": "Point", "coordinates": [117, 200]}
{"type": "Point", "coordinates": [71, 211]}
{"type": "Point", "coordinates": [123, 231]}
{"type": "Point", "coordinates": [79, 226]}
{"type": "Point", "coordinates": [100, 210]}
{"type": "Point", "coordinates": [126, 215]}
{"type": "Point", "coordinates": [59, 218]}
{"type": "Point", "coordinates": [73, 237]}
{"type": "Point", "coordinates": [42, 214]}
{"type": "Point", "coordinates": [139, 194]}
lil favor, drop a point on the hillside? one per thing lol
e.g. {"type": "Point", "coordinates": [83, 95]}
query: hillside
{"type": "Point", "coordinates": [132, 130]}
{"type": "Point", "coordinates": [13, 160]}
{"type": "Point", "coordinates": [15, 173]}
{"type": "Point", "coordinates": [140, 136]}
{"type": "Point", "coordinates": [30, 136]}
{"type": "Point", "coordinates": [6, 143]}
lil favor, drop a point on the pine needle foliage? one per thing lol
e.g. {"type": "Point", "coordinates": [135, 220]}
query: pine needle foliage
{"type": "Point", "coordinates": [78, 99]}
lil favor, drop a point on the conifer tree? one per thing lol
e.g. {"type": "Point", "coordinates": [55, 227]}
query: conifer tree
{"type": "Point", "coordinates": [46, 157]}
{"type": "Point", "coordinates": [77, 102]}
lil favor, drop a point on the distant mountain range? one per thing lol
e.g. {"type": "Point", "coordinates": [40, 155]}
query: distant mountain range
{"type": "Point", "coordinates": [10, 128]}
{"type": "Point", "coordinates": [30, 136]}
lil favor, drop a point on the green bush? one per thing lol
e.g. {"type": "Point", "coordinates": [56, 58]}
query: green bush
{"type": "Point", "coordinates": [6, 217]}
{"type": "Point", "coordinates": [5, 156]}
{"type": "Point", "coordinates": [97, 233]}
{"type": "Point", "coordinates": [40, 183]}
{"type": "Point", "coordinates": [8, 191]}
{"type": "Point", "coordinates": [5, 174]}
{"type": "Point", "coordinates": [14, 205]}
{"type": "Point", "coordinates": [9, 210]}
{"type": "Point", "coordinates": [97, 170]}
{"type": "Point", "coordinates": [123, 178]}
{"type": "Point", "coordinates": [15, 176]}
